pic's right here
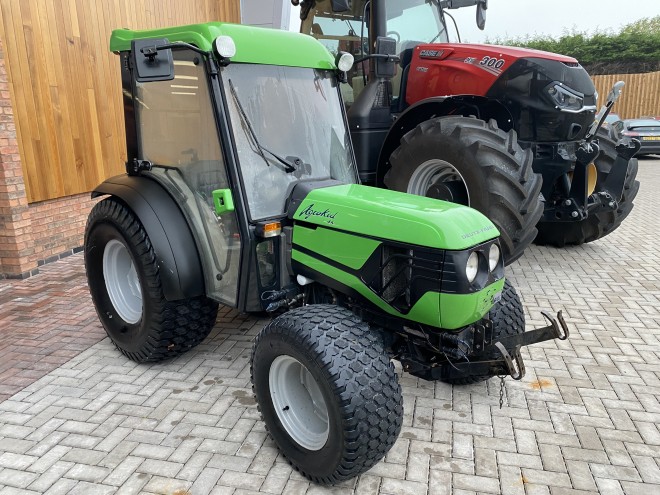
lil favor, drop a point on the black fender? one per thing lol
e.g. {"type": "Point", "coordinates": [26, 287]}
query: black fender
{"type": "Point", "coordinates": [179, 264]}
{"type": "Point", "coordinates": [480, 106]}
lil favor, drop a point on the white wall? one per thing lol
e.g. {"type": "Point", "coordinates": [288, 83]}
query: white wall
{"type": "Point", "coordinates": [266, 13]}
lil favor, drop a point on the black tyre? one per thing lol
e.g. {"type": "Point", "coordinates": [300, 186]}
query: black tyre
{"type": "Point", "coordinates": [125, 285]}
{"type": "Point", "coordinates": [327, 391]}
{"type": "Point", "coordinates": [472, 162]}
{"type": "Point", "coordinates": [600, 224]}
{"type": "Point", "coordinates": [508, 317]}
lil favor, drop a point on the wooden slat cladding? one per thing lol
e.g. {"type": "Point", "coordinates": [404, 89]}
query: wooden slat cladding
{"type": "Point", "coordinates": [66, 86]}
{"type": "Point", "coordinates": [641, 94]}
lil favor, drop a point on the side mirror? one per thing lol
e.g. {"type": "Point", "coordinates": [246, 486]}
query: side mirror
{"type": "Point", "coordinates": [386, 61]}
{"type": "Point", "coordinates": [341, 5]}
{"type": "Point", "coordinates": [482, 6]}
{"type": "Point", "coordinates": [152, 64]}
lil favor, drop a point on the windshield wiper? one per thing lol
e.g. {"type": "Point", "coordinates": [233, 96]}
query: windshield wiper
{"type": "Point", "coordinates": [289, 166]}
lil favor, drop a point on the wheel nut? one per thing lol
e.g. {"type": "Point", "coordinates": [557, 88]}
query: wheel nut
{"type": "Point", "coordinates": [568, 202]}
{"type": "Point", "coordinates": [574, 214]}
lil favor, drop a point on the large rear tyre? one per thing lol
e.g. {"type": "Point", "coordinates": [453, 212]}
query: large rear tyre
{"type": "Point", "coordinates": [126, 289]}
{"type": "Point", "coordinates": [508, 318]}
{"type": "Point", "coordinates": [469, 161]}
{"type": "Point", "coordinates": [600, 224]}
{"type": "Point", "coordinates": [327, 391]}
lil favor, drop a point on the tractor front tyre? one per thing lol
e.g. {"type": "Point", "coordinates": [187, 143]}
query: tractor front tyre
{"type": "Point", "coordinates": [508, 318]}
{"type": "Point", "coordinates": [327, 391]}
{"type": "Point", "coordinates": [601, 223]}
{"type": "Point", "coordinates": [469, 161]}
{"type": "Point", "coordinates": [124, 281]}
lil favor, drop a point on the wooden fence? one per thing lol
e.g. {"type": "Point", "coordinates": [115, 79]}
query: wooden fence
{"type": "Point", "coordinates": [66, 86]}
{"type": "Point", "coordinates": [640, 97]}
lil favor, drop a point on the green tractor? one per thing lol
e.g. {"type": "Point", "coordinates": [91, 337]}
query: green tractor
{"type": "Point", "coordinates": [241, 188]}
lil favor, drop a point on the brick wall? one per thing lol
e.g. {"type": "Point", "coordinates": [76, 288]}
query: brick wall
{"type": "Point", "coordinates": [31, 234]}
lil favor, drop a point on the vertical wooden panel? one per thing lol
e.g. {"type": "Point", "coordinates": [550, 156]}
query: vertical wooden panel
{"type": "Point", "coordinates": [66, 85]}
{"type": "Point", "coordinates": [640, 97]}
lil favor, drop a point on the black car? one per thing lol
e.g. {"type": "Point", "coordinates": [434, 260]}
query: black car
{"type": "Point", "coordinates": [646, 130]}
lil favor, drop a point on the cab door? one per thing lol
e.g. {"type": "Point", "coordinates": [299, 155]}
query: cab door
{"type": "Point", "coordinates": [177, 134]}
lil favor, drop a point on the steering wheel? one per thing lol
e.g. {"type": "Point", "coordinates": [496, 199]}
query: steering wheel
{"type": "Point", "coordinates": [396, 35]}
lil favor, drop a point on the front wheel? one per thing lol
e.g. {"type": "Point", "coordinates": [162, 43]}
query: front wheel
{"type": "Point", "coordinates": [327, 391]}
{"type": "Point", "coordinates": [124, 281]}
{"type": "Point", "coordinates": [471, 162]}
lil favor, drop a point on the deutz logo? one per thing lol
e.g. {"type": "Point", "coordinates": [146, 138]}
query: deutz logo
{"type": "Point", "coordinates": [311, 212]}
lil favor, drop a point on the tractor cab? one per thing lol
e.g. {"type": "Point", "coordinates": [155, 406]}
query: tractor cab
{"type": "Point", "coordinates": [408, 22]}
{"type": "Point", "coordinates": [230, 140]}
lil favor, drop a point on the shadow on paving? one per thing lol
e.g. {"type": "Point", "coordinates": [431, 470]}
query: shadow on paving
{"type": "Point", "coordinates": [44, 322]}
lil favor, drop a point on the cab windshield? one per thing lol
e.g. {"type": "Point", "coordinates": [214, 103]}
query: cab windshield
{"type": "Point", "coordinates": [411, 22]}
{"type": "Point", "coordinates": [288, 126]}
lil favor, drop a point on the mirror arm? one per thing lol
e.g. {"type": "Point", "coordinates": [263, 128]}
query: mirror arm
{"type": "Point", "coordinates": [388, 58]}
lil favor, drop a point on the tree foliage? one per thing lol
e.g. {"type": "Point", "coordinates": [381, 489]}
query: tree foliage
{"type": "Point", "coordinates": [635, 46]}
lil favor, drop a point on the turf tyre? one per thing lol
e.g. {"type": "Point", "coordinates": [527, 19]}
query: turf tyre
{"type": "Point", "coordinates": [351, 368]}
{"type": "Point", "coordinates": [597, 225]}
{"type": "Point", "coordinates": [496, 171]}
{"type": "Point", "coordinates": [161, 329]}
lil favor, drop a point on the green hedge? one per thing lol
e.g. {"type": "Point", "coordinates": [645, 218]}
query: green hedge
{"type": "Point", "coordinates": [636, 43]}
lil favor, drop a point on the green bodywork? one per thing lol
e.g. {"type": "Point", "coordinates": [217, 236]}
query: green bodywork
{"type": "Point", "coordinates": [356, 216]}
{"type": "Point", "coordinates": [254, 45]}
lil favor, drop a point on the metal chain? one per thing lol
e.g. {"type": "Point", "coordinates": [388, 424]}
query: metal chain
{"type": "Point", "coordinates": [501, 391]}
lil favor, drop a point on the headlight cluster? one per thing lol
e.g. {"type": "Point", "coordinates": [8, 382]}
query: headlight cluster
{"type": "Point", "coordinates": [564, 97]}
{"type": "Point", "coordinates": [473, 262]}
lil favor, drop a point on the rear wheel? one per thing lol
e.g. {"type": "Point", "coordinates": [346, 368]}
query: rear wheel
{"type": "Point", "coordinates": [469, 161]}
{"type": "Point", "coordinates": [124, 281]}
{"type": "Point", "coordinates": [599, 224]}
{"type": "Point", "coordinates": [327, 391]}
{"type": "Point", "coordinates": [508, 318]}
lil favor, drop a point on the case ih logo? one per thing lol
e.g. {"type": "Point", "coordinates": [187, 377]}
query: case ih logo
{"type": "Point", "coordinates": [431, 53]}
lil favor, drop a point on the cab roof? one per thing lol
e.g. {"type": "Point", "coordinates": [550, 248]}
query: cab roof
{"type": "Point", "coordinates": [254, 45]}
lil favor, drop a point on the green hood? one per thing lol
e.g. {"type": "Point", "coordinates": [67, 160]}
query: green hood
{"type": "Point", "coordinates": [397, 216]}
{"type": "Point", "coordinates": [340, 229]}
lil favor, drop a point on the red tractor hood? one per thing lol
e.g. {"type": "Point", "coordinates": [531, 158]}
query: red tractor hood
{"type": "Point", "coordinates": [443, 69]}
{"type": "Point", "coordinates": [504, 50]}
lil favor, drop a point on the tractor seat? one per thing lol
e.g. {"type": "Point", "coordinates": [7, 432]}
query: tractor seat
{"type": "Point", "coordinates": [399, 81]}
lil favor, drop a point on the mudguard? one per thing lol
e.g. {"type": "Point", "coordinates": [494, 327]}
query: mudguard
{"type": "Point", "coordinates": [481, 107]}
{"type": "Point", "coordinates": [178, 260]}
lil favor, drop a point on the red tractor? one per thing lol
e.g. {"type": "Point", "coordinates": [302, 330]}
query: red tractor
{"type": "Point", "coordinates": [508, 131]}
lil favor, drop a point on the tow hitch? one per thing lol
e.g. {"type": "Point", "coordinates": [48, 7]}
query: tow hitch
{"type": "Point", "coordinates": [510, 362]}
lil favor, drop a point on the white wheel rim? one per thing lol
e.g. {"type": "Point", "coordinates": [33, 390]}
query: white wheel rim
{"type": "Point", "coordinates": [434, 172]}
{"type": "Point", "coordinates": [122, 282]}
{"type": "Point", "coordinates": [298, 402]}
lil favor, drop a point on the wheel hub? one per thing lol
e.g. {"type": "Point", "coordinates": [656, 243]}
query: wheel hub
{"type": "Point", "coordinates": [122, 281]}
{"type": "Point", "coordinates": [439, 179]}
{"type": "Point", "coordinates": [298, 402]}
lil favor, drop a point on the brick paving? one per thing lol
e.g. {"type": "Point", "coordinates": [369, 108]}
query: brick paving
{"type": "Point", "coordinates": [584, 420]}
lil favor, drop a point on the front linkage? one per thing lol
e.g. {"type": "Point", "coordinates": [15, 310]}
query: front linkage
{"type": "Point", "coordinates": [579, 203]}
{"type": "Point", "coordinates": [477, 353]}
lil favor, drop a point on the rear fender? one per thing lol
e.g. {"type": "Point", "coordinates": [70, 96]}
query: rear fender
{"type": "Point", "coordinates": [481, 107]}
{"type": "Point", "coordinates": [176, 253]}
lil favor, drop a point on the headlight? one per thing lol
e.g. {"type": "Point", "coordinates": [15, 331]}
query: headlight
{"type": "Point", "coordinates": [493, 257]}
{"type": "Point", "coordinates": [472, 267]}
{"type": "Point", "coordinates": [565, 98]}
{"type": "Point", "coordinates": [344, 61]}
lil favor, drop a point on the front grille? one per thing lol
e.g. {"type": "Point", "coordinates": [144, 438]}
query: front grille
{"type": "Point", "coordinates": [401, 275]}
